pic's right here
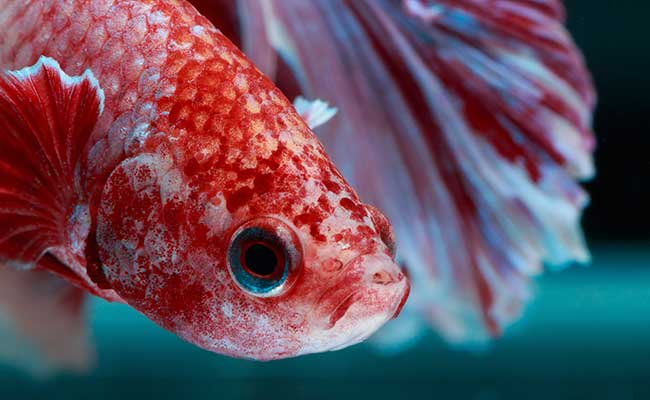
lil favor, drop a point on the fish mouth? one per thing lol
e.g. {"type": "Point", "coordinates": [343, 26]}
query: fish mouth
{"type": "Point", "coordinates": [344, 305]}
{"type": "Point", "coordinates": [341, 309]}
{"type": "Point", "coordinates": [372, 292]}
{"type": "Point", "coordinates": [402, 302]}
{"type": "Point", "coordinates": [358, 316]}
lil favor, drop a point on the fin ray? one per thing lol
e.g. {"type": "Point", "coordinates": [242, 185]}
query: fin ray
{"type": "Point", "coordinates": [46, 118]}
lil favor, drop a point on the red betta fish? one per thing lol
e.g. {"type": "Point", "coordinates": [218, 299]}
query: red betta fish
{"type": "Point", "coordinates": [468, 122]}
{"type": "Point", "coordinates": [145, 159]}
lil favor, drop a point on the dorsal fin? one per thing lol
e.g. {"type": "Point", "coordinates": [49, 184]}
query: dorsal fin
{"type": "Point", "coordinates": [46, 118]}
{"type": "Point", "coordinates": [315, 113]}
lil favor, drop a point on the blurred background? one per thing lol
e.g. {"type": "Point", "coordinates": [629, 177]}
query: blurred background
{"type": "Point", "coordinates": [586, 335]}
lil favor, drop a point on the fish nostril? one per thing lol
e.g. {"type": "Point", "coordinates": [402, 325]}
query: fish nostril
{"type": "Point", "coordinates": [333, 266]}
{"type": "Point", "coordinates": [385, 278]}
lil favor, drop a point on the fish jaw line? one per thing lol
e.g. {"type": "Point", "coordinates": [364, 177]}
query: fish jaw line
{"type": "Point", "coordinates": [360, 310]}
{"type": "Point", "coordinates": [353, 326]}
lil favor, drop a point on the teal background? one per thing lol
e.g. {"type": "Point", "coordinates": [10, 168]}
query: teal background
{"type": "Point", "coordinates": [585, 336]}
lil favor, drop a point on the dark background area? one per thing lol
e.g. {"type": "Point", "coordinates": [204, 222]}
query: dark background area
{"type": "Point", "coordinates": [615, 38]}
{"type": "Point", "coordinates": [586, 335]}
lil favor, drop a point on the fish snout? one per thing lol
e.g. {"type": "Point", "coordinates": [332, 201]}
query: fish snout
{"type": "Point", "coordinates": [377, 269]}
{"type": "Point", "coordinates": [385, 277]}
{"type": "Point", "coordinates": [374, 287]}
{"type": "Point", "coordinates": [372, 291]}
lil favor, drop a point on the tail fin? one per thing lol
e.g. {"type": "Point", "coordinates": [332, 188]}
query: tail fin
{"type": "Point", "coordinates": [42, 322]}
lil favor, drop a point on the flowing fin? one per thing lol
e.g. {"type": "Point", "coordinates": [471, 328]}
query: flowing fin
{"type": "Point", "coordinates": [467, 122]}
{"type": "Point", "coordinates": [315, 113]}
{"type": "Point", "coordinates": [46, 118]}
{"type": "Point", "coordinates": [42, 322]}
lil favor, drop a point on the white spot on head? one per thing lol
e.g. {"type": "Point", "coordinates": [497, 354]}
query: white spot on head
{"type": "Point", "coordinates": [226, 308]}
{"type": "Point", "coordinates": [137, 136]}
{"type": "Point", "coordinates": [216, 216]}
{"type": "Point", "coordinates": [262, 322]}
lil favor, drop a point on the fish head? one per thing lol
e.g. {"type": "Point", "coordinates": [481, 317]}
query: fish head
{"type": "Point", "coordinates": [303, 264]}
{"type": "Point", "coordinates": [246, 240]}
{"type": "Point", "coordinates": [311, 282]}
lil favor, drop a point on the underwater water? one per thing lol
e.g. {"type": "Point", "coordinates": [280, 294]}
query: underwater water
{"type": "Point", "coordinates": [587, 335]}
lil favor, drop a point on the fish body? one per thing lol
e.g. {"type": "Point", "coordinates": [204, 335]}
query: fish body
{"type": "Point", "coordinates": [468, 122]}
{"type": "Point", "coordinates": [146, 160]}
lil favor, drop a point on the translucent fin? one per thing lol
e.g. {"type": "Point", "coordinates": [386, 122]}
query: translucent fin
{"type": "Point", "coordinates": [42, 323]}
{"type": "Point", "coordinates": [467, 122]}
{"type": "Point", "coordinates": [315, 113]}
{"type": "Point", "coordinates": [46, 118]}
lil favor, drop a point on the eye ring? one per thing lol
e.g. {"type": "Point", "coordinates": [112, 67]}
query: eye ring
{"type": "Point", "coordinates": [264, 257]}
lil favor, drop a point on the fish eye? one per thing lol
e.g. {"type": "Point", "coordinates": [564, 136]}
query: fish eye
{"type": "Point", "coordinates": [263, 257]}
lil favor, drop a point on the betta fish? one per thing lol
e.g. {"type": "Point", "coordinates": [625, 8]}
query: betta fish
{"type": "Point", "coordinates": [144, 159]}
{"type": "Point", "coordinates": [467, 122]}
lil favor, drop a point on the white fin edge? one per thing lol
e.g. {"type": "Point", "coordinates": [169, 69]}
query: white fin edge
{"type": "Point", "coordinates": [27, 72]}
{"type": "Point", "coordinates": [316, 112]}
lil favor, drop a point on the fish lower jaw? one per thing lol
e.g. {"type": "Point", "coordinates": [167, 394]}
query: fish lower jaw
{"type": "Point", "coordinates": [357, 323]}
{"type": "Point", "coordinates": [331, 340]}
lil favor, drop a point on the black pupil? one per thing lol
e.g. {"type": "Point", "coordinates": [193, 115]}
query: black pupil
{"type": "Point", "coordinates": [260, 259]}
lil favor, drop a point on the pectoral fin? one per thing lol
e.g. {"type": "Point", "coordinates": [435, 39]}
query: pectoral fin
{"type": "Point", "coordinates": [42, 322]}
{"type": "Point", "coordinates": [46, 118]}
